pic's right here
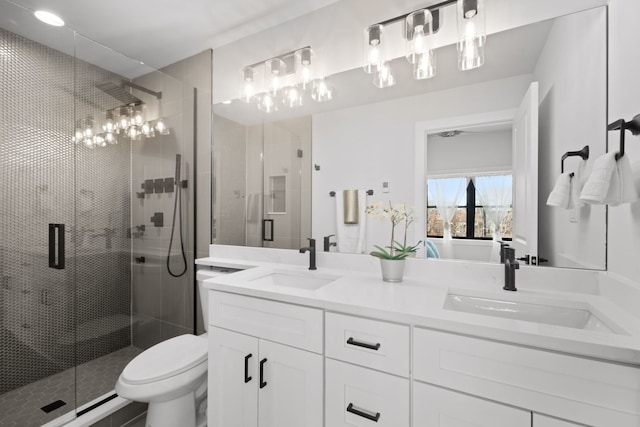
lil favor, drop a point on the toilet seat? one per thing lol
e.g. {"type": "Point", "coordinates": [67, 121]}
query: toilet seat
{"type": "Point", "coordinates": [166, 359]}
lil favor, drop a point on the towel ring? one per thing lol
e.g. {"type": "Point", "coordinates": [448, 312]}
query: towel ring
{"type": "Point", "coordinates": [633, 126]}
{"type": "Point", "coordinates": [584, 153]}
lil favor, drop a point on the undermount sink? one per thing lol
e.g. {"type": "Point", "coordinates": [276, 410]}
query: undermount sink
{"type": "Point", "coordinates": [294, 279]}
{"type": "Point", "coordinates": [578, 318]}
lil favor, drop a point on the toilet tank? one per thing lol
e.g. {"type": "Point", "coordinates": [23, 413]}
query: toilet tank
{"type": "Point", "coordinates": [203, 274]}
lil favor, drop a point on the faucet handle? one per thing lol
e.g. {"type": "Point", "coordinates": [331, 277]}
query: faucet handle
{"type": "Point", "coordinates": [312, 242]}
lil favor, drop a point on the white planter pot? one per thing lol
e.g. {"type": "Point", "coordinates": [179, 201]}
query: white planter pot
{"type": "Point", "coordinates": [392, 270]}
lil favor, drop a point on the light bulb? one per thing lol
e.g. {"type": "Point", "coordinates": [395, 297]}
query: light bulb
{"type": "Point", "coordinates": [137, 117]}
{"type": "Point", "coordinates": [267, 103]}
{"type": "Point", "coordinates": [320, 91]}
{"type": "Point", "coordinates": [373, 49]}
{"type": "Point", "coordinates": [292, 97]}
{"type": "Point", "coordinates": [471, 34]}
{"type": "Point", "coordinates": [247, 90]}
{"type": "Point", "coordinates": [110, 138]}
{"type": "Point", "coordinates": [161, 127]}
{"type": "Point", "coordinates": [425, 66]}
{"type": "Point", "coordinates": [146, 129]}
{"type": "Point", "coordinates": [109, 126]}
{"type": "Point", "coordinates": [304, 68]}
{"type": "Point", "coordinates": [384, 77]}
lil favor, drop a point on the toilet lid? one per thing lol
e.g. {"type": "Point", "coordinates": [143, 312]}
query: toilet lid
{"type": "Point", "coordinates": [166, 359]}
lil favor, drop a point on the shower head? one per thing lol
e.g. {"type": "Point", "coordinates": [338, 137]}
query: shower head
{"type": "Point", "coordinates": [118, 92]}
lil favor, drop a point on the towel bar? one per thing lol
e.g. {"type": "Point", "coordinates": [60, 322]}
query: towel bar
{"type": "Point", "coordinates": [333, 193]}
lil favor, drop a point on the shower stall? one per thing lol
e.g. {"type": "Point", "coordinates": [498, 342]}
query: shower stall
{"type": "Point", "coordinates": [96, 217]}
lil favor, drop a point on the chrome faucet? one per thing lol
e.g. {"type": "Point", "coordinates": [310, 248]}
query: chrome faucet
{"type": "Point", "coordinates": [312, 253]}
{"type": "Point", "coordinates": [510, 267]}
{"type": "Point", "coordinates": [328, 243]}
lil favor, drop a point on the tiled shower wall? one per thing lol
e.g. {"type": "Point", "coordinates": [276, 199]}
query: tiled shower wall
{"type": "Point", "coordinates": [48, 179]}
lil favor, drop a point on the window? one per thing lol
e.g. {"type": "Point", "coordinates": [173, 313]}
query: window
{"type": "Point", "coordinates": [470, 219]}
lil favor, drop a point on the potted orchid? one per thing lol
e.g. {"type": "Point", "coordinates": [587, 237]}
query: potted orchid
{"type": "Point", "coordinates": [393, 255]}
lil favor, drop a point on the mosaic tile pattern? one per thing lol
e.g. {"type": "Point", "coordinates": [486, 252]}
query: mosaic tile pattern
{"type": "Point", "coordinates": [43, 311]}
{"type": "Point", "coordinates": [21, 407]}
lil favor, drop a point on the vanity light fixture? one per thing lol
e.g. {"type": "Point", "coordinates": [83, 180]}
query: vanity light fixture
{"type": "Point", "coordinates": [49, 18]}
{"type": "Point", "coordinates": [419, 26]}
{"type": "Point", "coordinates": [288, 79]}
{"type": "Point", "coordinates": [471, 34]}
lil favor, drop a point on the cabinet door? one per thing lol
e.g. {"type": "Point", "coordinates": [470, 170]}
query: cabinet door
{"type": "Point", "coordinates": [439, 407]}
{"type": "Point", "coordinates": [233, 379]}
{"type": "Point", "coordinates": [291, 387]}
{"type": "Point", "coordinates": [544, 421]}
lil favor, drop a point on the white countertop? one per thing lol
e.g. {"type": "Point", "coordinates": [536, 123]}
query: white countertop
{"type": "Point", "coordinates": [419, 301]}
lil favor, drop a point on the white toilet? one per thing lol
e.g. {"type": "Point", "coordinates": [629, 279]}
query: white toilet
{"type": "Point", "coordinates": [172, 375]}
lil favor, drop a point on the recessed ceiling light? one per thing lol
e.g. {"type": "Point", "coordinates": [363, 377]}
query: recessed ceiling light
{"type": "Point", "coordinates": [49, 18]}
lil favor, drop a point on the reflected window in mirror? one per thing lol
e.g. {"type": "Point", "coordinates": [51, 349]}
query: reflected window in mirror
{"type": "Point", "coordinates": [472, 219]}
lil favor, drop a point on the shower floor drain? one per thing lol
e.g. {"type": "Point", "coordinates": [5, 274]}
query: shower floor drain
{"type": "Point", "coordinates": [53, 406]}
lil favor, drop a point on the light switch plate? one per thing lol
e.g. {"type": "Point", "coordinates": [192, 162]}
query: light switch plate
{"type": "Point", "coordinates": [386, 187]}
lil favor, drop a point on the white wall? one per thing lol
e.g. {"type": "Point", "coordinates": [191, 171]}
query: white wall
{"type": "Point", "coordinates": [624, 102]}
{"type": "Point", "coordinates": [572, 114]}
{"type": "Point", "coordinates": [356, 152]}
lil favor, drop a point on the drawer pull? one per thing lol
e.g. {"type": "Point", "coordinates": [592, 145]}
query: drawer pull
{"type": "Point", "coordinates": [263, 383]}
{"type": "Point", "coordinates": [363, 414]}
{"type": "Point", "coordinates": [247, 378]}
{"type": "Point", "coordinates": [375, 346]}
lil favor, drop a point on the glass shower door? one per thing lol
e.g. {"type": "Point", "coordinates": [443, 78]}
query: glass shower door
{"type": "Point", "coordinates": [37, 169]}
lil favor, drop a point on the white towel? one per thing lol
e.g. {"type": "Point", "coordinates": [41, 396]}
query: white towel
{"type": "Point", "coordinates": [628, 191]}
{"type": "Point", "coordinates": [351, 237]}
{"type": "Point", "coordinates": [602, 184]}
{"type": "Point", "coordinates": [560, 196]}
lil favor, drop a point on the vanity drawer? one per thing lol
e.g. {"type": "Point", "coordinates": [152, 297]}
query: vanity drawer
{"type": "Point", "coordinates": [587, 391]}
{"type": "Point", "coordinates": [356, 396]}
{"type": "Point", "coordinates": [289, 324]}
{"type": "Point", "coordinates": [438, 407]}
{"type": "Point", "coordinates": [371, 343]}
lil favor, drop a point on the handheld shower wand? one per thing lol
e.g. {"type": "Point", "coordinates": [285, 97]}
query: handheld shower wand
{"type": "Point", "coordinates": [177, 200]}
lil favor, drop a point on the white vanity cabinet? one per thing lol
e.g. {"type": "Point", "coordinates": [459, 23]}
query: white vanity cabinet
{"type": "Point", "coordinates": [254, 381]}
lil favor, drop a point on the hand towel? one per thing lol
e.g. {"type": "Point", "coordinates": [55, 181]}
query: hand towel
{"type": "Point", "coordinates": [628, 190]}
{"type": "Point", "coordinates": [351, 237]}
{"type": "Point", "coordinates": [576, 187]}
{"type": "Point", "coordinates": [602, 184]}
{"type": "Point", "coordinates": [560, 196]}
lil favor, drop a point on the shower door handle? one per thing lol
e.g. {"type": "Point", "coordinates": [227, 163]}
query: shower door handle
{"type": "Point", "coordinates": [267, 225]}
{"type": "Point", "coordinates": [56, 246]}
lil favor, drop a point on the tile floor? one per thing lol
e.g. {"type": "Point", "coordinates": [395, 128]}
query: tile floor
{"type": "Point", "coordinates": [21, 407]}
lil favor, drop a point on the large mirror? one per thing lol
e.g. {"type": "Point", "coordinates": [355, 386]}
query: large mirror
{"type": "Point", "coordinates": [411, 142]}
